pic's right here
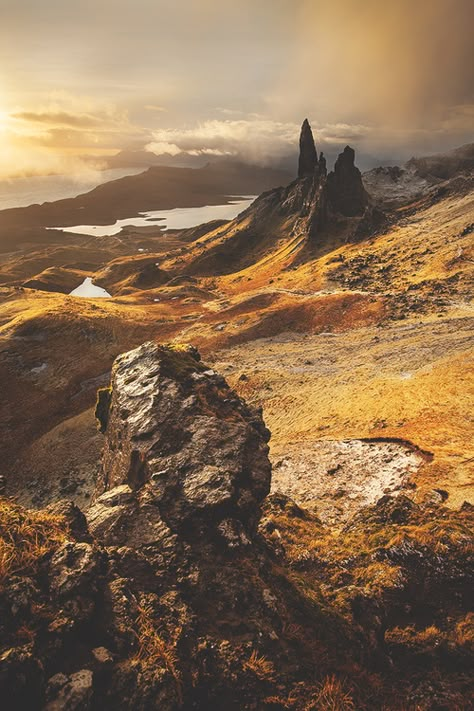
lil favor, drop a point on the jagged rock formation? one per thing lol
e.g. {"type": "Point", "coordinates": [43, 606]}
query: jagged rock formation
{"type": "Point", "coordinates": [320, 208]}
{"type": "Point", "coordinates": [323, 198]}
{"type": "Point", "coordinates": [168, 598]}
{"type": "Point", "coordinates": [177, 427]}
{"type": "Point", "coordinates": [308, 158]}
{"type": "Point", "coordinates": [341, 192]}
{"type": "Point", "coordinates": [322, 164]}
{"type": "Point", "coordinates": [345, 190]}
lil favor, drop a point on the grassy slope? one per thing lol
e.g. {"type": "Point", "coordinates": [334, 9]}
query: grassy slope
{"type": "Point", "coordinates": [399, 366]}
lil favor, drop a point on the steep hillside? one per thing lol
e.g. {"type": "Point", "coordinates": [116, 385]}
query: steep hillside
{"type": "Point", "coordinates": [340, 314]}
{"type": "Point", "coordinates": [328, 567]}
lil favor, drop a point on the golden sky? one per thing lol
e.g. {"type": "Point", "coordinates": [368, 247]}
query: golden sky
{"type": "Point", "coordinates": [208, 77]}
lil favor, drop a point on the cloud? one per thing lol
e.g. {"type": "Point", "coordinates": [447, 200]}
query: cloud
{"type": "Point", "coordinates": [59, 118]}
{"type": "Point", "coordinates": [155, 107]}
{"type": "Point", "coordinates": [339, 133]}
{"type": "Point", "coordinates": [19, 162]}
{"type": "Point", "coordinates": [256, 140]}
{"type": "Point", "coordinates": [74, 122]}
{"type": "Point", "coordinates": [210, 152]}
{"type": "Point", "coordinates": [62, 134]}
{"type": "Point", "coordinates": [164, 148]}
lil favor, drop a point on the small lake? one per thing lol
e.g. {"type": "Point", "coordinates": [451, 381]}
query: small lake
{"type": "Point", "coordinates": [179, 218]}
{"type": "Point", "coordinates": [89, 290]}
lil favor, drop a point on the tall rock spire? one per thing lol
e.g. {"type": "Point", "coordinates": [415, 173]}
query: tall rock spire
{"type": "Point", "coordinates": [346, 190]}
{"type": "Point", "coordinates": [308, 160]}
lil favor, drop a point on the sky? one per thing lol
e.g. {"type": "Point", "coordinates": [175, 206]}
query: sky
{"type": "Point", "coordinates": [82, 79]}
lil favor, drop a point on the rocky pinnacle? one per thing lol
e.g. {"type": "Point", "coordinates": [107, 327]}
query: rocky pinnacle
{"type": "Point", "coordinates": [345, 188]}
{"type": "Point", "coordinates": [308, 160]}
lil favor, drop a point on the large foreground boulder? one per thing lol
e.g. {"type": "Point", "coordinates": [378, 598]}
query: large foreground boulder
{"type": "Point", "coordinates": [176, 427]}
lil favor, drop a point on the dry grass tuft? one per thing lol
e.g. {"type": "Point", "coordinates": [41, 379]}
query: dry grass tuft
{"type": "Point", "coordinates": [25, 537]}
{"type": "Point", "coordinates": [278, 702]}
{"type": "Point", "coordinates": [331, 696]}
{"type": "Point", "coordinates": [261, 667]}
{"type": "Point", "coordinates": [465, 631]}
{"type": "Point", "coordinates": [153, 651]}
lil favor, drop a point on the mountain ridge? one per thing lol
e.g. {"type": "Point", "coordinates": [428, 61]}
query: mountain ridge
{"type": "Point", "coordinates": [158, 187]}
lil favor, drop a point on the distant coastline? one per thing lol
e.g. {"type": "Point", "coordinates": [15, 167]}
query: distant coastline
{"type": "Point", "coordinates": [36, 189]}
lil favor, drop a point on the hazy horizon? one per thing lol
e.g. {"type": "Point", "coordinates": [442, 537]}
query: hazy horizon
{"type": "Point", "coordinates": [81, 82]}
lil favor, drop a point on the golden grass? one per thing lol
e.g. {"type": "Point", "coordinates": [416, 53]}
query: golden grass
{"type": "Point", "coordinates": [154, 651]}
{"type": "Point", "coordinates": [332, 695]}
{"type": "Point", "coordinates": [329, 568]}
{"type": "Point", "coordinates": [261, 667]}
{"type": "Point", "coordinates": [405, 381]}
{"type": "Point", "coordinates": [461, 635]}
{"type": "Point", "coordinates": [464, 632]}
{"type": "Point", "coordinates": [25, 538]}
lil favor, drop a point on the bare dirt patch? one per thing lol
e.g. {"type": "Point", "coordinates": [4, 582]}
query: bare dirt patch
{"type": "Point", "coordinates": [336, 478]}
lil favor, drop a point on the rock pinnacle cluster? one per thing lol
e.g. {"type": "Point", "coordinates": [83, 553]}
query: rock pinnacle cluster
{"type": "Point", "coordinates": [342, 190]}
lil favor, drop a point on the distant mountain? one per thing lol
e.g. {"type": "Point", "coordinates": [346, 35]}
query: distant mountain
{"type": "Point", "coordinates": [394, 185]}
{"type": "Point", "coordinates": [159, 187]}
{"type": "Point", "coordinates": [445, 165]}
{"type": "Point", "coordinates": [146, 159]}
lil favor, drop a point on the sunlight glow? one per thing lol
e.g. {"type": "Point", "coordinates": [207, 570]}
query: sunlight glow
{"type": "Point", "coordinates": [3, 120]}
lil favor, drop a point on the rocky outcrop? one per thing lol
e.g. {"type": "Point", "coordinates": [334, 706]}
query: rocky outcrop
{"type": "Point", "coordinates": [345, 189]}
{"type": "Point", "coordinates": [169, 597]}
{"type": "Point", "coordinates": [308, 158]}
{"type": "Point", "coordinates": [323, 199]}
{"type": "Point", "coordinates": [322, 165]}
{"type": "Point", "coordinates": [176, 427]}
